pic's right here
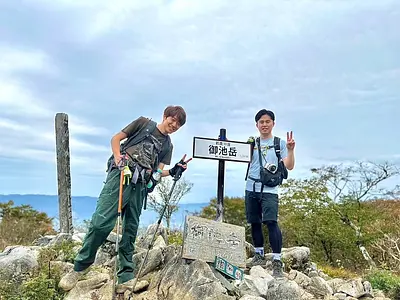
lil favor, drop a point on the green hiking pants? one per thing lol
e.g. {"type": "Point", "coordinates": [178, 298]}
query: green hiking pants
{"type": "Point", "coordinates": [103, 222]}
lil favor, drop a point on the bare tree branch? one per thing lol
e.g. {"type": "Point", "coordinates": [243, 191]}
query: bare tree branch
{"type": "Point", "coordinates": [159, 198]}
{"type": "Point", "coordinates": [354, 184]}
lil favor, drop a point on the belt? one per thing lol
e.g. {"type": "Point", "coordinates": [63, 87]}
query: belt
{"type": "Point", "coordinates": [139, 174]}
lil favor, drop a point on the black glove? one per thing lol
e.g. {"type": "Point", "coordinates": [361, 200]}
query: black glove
{"type": "Point", "coordinates": [177, 170]}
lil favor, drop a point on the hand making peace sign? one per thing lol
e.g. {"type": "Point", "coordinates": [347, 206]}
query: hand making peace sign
{"type": "Point", "coordinates": [290, 143]}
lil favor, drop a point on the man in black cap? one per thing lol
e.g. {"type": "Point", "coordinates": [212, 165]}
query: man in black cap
{"type": "Point", "coordinates": [271, 158]}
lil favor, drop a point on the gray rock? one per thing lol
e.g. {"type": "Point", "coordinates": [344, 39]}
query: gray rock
{"type": "Point", "coordinates": [250, 297]}
{"type": "Point", "coordinates": [112, 237]}
{"type": "Point", "coordinates": [170, 251]}
{"type": "Point", "coordinates": [143, 241]}
{"type": "Point", "coordinates": [340, 296]}
{"type": "Point", "coordinates": [95, 287]}
{"type": "Point", "coordinates": [102, 257]}
{"type": "Point", "coordinates": [319, 287]}
{"type": "Point", "coordinates": [18, 260]}
{"type": "Point", "coordinates": [335, 284]}
{"type": "Point", "coordinates": [297, 258]}
{"type": "Point", "coordinates": [250, 250]}
{"type": "Point", "coordinates": [43, 241]}
{"type": "Point", "coordinates": [59, 239]}
{"type": "Point", "coordinates": [300, 278]}
{"type": "Point", "coordinates": [159, 242]}
{"type": "Point", "coordinates": [224, 281]}
{"type": "Point", "coordinates": [78, 237]}
{"type": "Point", "coordinates": [193, 281]}
{"type": "Point", "coordinates": [353, 288]}
{"type": "Point", "coordinates": [368, 287]}
{"type": "Point", "coordinates": [283, 290]}
{"type": "Point", "coordinates": [258, 271]}
{"type": "Point", "coordinates": [154, 260]}
{"type": "Point", "coordinates": [254, 285]}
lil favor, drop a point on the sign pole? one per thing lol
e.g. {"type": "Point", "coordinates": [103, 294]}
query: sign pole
{"type": "Point", "coordinates": [222, 150]}
{"type": "Point", "coordinates": [221, 181]}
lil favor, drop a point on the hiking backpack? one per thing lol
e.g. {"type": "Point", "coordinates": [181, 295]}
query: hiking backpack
{"type": "Point", "coordinates": [140, 135]}
{"type": "Point", "coordinates": [277, 147]}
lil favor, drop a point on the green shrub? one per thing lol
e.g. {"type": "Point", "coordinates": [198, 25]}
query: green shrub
{"type": "Point", "coordinates": [335, 272]}
{"type": "Point", "coordinates": [175, 237]}
{"type": "Point", "coordinates": [42, 282]}
{"type": "Point", "coordinates": [386, 281]}
{"type": "Point", "coordinates": [41, 288]}
{"type": "Point", "coordinates": [21, 225]}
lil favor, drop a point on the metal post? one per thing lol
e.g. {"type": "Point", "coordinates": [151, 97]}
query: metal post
{"type": "Point", "coordinates": [221, 181]}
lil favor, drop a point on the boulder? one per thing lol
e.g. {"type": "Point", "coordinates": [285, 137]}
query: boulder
{"type": "Point", "coordinates": [15, 261]}
{"type": "Point", "coordinates": [180, 280]}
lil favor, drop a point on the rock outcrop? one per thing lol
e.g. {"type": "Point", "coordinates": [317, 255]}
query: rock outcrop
{"type": "Point", "coordinates": [166, 276]}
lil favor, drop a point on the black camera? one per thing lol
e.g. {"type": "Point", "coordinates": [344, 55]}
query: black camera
{"type": "Point", "coordinates": [271, 167]}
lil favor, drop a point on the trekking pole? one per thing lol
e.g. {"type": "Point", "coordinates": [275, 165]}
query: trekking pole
{"type": "Point", "coordinates": [121, 185]}
{"type": "Point", "coordinates": [176, 178]}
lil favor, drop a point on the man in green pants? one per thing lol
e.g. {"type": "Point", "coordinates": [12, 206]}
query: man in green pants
{"type": "Point", "coordinates": [148, 148]}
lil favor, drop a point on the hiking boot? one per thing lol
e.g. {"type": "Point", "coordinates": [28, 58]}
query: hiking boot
{"type": "Point", "coordinates": [69, 281]}
{"type": "Point", "coordinates": [258, 260]}
{"type": "Point", "coordinates": [121, 288]}
{"type": "Point", "coordinates": [277, 268]}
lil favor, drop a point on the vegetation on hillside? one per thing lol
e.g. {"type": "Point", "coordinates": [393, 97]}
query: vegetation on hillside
{"type": "Point", "coordinates": [21, 225]}
{"type": "Point", "coordinates": [349, 222]}
{"type": "Point", "coordinates": [344, 216]}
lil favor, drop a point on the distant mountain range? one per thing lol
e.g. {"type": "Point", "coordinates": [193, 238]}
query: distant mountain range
{"type": "Point", "coordinates": [84, 206]}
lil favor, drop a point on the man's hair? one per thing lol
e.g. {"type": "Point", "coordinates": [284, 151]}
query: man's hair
{"type": "Point", "coordinates": [177, 112]}
{"type": "Point", "coordinates": [264, 112]}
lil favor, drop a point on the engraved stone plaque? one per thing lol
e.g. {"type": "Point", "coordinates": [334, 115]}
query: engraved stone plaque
{"type": "Point", "coordinates": [205, 239]}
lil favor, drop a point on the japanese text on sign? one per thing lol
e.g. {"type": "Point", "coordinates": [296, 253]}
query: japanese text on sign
{"type": "Point", "coordinates": [222, 148]}
{"type": "Point", "coordinates": [226, 150]}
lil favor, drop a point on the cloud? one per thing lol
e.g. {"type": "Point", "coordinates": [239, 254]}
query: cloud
{"type": "Point", "coordinates": [21, 107]}
{"type": "Point", "coordinates": [16, 60]}
{"type": "Point", "coordinates": [322, 66]}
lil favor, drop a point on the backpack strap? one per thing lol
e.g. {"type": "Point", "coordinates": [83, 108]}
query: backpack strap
{"type": "Point", "coordinates": [277, 146]}
{"type": "Point", "coordinates": [164, 150]}
{"type": "Point", "coordinates": [139, 135]}
{"type": "Point", "coordinates": [251, 158]}
{"type": "Point", "coordinates": [142, 134]}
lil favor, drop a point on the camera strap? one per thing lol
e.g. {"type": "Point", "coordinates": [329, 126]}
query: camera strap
{"type": "Point", "coordinates": [277, 148]}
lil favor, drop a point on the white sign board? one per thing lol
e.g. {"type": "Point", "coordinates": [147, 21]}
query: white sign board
{"type": "Point", "coordinates": [225, 150]}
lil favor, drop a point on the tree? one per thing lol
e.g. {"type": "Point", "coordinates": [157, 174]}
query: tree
{"type": "Point", "coordinates": [350, 186]}
{"type": "Point", "coordinates": [234, 211]}
{"type": "Point", "coordinates": [386, 247]}
{"type": "Point", "coordinates": [21, 225]}
{"type": "Point", "coordinates": [308, 219]}
{"type": "Point", "coordinates": [160, 197]}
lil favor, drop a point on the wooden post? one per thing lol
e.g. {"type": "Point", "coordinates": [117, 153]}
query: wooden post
{"type": "Point", "coordinates": [63, 173]}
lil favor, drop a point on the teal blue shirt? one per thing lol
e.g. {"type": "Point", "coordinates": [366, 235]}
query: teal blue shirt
{"type": "Point", "coordinates": [268, 156]}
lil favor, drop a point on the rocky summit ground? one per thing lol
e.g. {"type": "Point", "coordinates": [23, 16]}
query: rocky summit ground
{"type": "Point", "coordinates": [166, 276]}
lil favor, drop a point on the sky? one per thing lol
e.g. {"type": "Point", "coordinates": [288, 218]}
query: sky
{"type": "Point", "coordinates": [330, 70]}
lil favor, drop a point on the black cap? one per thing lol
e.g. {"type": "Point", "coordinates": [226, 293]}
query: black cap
{"type": "Point", "coordinates": [264, 112]}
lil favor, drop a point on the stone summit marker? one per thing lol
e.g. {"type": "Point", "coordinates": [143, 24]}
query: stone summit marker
{"type": "Point", "coordinates": [205, 239]}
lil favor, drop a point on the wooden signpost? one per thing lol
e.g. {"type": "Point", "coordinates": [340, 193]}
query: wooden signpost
{"type": "Point", "coordinates": [63, 173]}
{"type": "Point", "coordinates": [222, 150]}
